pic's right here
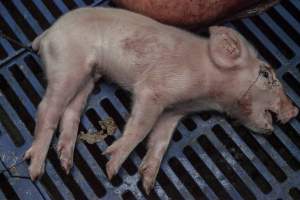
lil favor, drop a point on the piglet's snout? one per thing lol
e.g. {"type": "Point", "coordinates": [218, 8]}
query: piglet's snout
{"type": "Point", "coordinates": [286, 116]}
{"type": "Point", "coordinates": [287, 111]}
{"type": "Point", "coordinates": [296, 111]}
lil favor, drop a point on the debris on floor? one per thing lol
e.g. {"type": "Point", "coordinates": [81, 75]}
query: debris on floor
{"type": "Point", "coordinates": [108, 127]}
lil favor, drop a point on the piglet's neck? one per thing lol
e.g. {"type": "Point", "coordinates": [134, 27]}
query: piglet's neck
{"type": "Point", "coordinates": [225, 89]}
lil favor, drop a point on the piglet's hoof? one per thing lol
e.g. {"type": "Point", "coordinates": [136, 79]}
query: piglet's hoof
{"type": "Point", "coordinates": [65, 153]}
{"type": "Point", "coordinates": [118, 153]}
{"type": "Point", "coordinates": [37, 163]}
{"type": "Point", "coordinates": [148, 170]}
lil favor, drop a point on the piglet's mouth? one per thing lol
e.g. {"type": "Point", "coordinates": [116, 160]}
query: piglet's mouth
{"type": "Point", "coordinates": [271, 116]}
{"type": "Point", "coordinates": [282, 117]}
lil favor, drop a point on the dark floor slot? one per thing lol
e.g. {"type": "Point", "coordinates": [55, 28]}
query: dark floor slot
{"type": "Point", "coordinates": [36, 70]}
{"type": "Point", "coordinates": [97, 86]}
{"type": "Point", "coordinates": [11, 129]}
{"type": "Point", "coordinates": [295, 193]}
{"type": "Point", "coordinates": [109, 139]}
{"type": "Point", "coordinates": [7, 189]}
{"type": "Point", "coordinates": [285, 50]}
{"type": "Point", "coordinates": [50, 187]}
{"type": "Point", "coordinates": [67, 179]}
{"type": "Point", "coordinates": [205, 115]}
{"type": "Point", "coordinates": [89, 175]}
{"type": "Point", "coordinates": [168, 186]}
{"type": "Point", "coordinates": [3, 53]}
{"type": "Point", "coordinates": [186, 179]}
{"type": "Point", "coordinates": [274, 169]}
{"type": "Point", "coordinates": [94, 118]}
{"type": "Point", "coordinates": [284, 152]}
{"type": "Point", "coordinates": [130, 167]}
{"type": "Point", "coordinates": [205, 173]}
{"type": "Point", "coordinates": [226, 169]}
{"type": "Point", "coordinates": [37, 14]}
{"type": "Point", "coordinates": [125, 98]}
{"type": "Point", "coordinates": [292, 82]}
{"type": "Point", "coordinates": [16, 103]}
{"type": "Point", "coordinates": [141, 149]}
{"type": "Point", "coordinates": [112, 4]}
{"type": "Point", "coordinates": [294, 35]}
{"type": "Point", "coordinates": [189, 123]}
{"type": "Point", "coordinates": [177, 136]}
{"type": "Point", "coordinates": [241, 158]}
{"type": "Point", "coordinates": [127, 195]}
{"type": "Point", "coordinates": [20, 20]}
{"type": "Point", "coordinates": [70, 4]}
{"type": "Point", "coordinates": [52, 8]}
{"type": "Point", "coordinates": [291, 9]}
{"type": "Point", "coordinates": [5, 28]}
{"type": "Point", "coordinates": [25, 85]}
{"type": "Point", "coordinates": [291, 133]}
{"type": "Point", "coordinates": [88, 2]}
{"type": "Point", "coordinates": [151, 196]}
{"type": "Point", "coordinates": [112, 111]}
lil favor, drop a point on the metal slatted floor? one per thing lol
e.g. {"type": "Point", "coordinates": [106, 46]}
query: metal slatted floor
{"type": "Point", "coordinates": [210, 157]}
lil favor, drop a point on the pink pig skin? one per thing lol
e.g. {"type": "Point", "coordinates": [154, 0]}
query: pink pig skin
{"type": "Point", "coordinates": [170, 72]}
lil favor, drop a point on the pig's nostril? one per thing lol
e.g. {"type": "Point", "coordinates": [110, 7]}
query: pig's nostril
{"type": "Point", "coordinates": [296, 112]}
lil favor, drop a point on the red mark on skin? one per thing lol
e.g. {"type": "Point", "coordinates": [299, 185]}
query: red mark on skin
{"type": "Point", "coordinates": [217, 90]}
{"type": "Point", "coordinates": [245, 104]}
{"type": "Point", "coordinates": [139, 45]}
{"type": "Point", "coordinates": [216, 94]}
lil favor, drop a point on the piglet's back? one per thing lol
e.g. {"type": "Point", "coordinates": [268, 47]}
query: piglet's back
{"type": "Point", "coordinates": [125, 46]}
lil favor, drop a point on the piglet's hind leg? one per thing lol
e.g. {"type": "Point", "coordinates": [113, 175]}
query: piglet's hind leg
{"type": "Point", "coordinates": [62, 87]}
{"type": "Point", "coordinates": [69, 126]}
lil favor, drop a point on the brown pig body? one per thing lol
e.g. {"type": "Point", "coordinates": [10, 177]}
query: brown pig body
{"type": "Point", "coordinates": [186, 12]}
{"type": "Point", "coordinates": [169, 71]}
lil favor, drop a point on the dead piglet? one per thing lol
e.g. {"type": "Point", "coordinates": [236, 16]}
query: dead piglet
{"type": "Point", "coordinates": [169, 71]}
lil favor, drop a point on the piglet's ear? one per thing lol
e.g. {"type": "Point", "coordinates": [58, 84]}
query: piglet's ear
{"type": "Point", "coordinates": [225, 46]}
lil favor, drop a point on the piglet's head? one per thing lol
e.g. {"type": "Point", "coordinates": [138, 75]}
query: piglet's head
{"type": "Point", "coordinates": [254, 92]}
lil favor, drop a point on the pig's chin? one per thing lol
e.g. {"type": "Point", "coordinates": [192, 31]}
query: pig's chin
{"type": "Point", "coordinates": [268, 116]}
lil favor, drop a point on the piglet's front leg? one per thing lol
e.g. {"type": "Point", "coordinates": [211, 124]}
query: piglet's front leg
{"type": "Point", "coordinates": [145, 112]}
{"type": "Point", "coordinates": [158, 143]}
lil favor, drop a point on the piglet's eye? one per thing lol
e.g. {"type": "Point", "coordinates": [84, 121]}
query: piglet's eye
{"type": "Point", "coordinates": [265, 74]}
